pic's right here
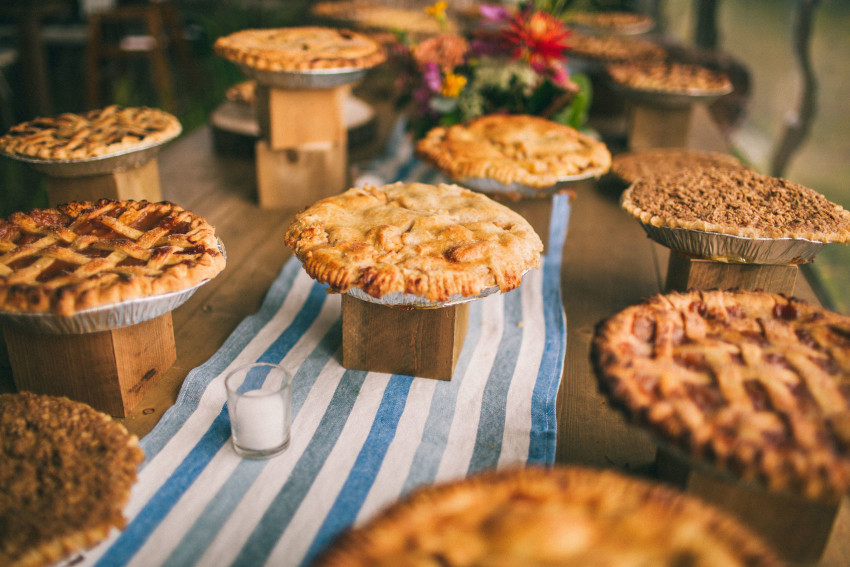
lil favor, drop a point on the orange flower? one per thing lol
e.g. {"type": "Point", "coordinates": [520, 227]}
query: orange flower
{"type": "Point", "coordinates": [452, 85]}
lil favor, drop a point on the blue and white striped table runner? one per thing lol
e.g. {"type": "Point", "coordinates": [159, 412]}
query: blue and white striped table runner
{"type": "Point", "coordinates": [360, 440]}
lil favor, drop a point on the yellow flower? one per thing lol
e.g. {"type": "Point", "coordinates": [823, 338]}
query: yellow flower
{"type": "Point", "coordinates": [437, 10]}
{"type": "Point", "coordinates": [453, 85]}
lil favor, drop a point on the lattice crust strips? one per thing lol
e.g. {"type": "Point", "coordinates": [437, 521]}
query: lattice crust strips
{"type": "Point", "coordinates": [756, 382]}
{"type": "Point", "coordinates": [82, 255]}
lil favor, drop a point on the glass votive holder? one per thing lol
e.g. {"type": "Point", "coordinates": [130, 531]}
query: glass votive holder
{"type": "Point", "coordinates": [259, 403]}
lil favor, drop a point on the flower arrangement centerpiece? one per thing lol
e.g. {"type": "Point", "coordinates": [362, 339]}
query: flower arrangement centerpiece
{"type": "Point", "coordinates": [511, 61]}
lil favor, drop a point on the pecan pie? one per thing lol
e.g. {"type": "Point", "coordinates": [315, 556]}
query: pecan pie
{"type": "Point", "coordinates": [528, 150]}
{"type": "Point", "coordinates": [757, 383]}
{"type": "Point", "coordinates": [670, 77]}
{"type": "Point", "coordinates": [301, 49]}
{"type": "Point", "coordinates": [66, 472]}
{"type": "Point", "coordinates": [632, 166]}
{"type": "Point", "coordinates": [98, 133]}
{"type": "Point", "coordinates": [82, 255]}
{"type": "Point", "coordinates": [738, 202]}
{"type": "Point", "coordinates": [433, 242]}
{"type": "Point", "coordinates": [566, 516]}
{"type": "Point", "coordinates": [612, 48]}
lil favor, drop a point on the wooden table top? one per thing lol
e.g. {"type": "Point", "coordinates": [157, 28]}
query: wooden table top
{"type": "Point", "coordinates": [608, 264]}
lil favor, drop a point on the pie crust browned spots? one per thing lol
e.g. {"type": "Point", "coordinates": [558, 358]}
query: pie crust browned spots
{"type": "Point", "coordinates": [670, 77]}
{"type": "Point", "coordinates": [757, 383]}
{"type": "Point", "coordinates": [98, 133]}
{"type": "Point", "coordinates": [433, 242]}
{"type": "Point", "coordinates": [630, 167]}
{"type": "Point", "coordinates": [82, 255]}
{"type": "Point", "coordinates": [528, 150]}
{"type": "Point", "coordinates": [565, 516]}
{"type": "Point", "coordinates": [738, 202]}
{"type": "Point", "coordinates": [301, 49]}
{"type": "Point", "coordinates": [613, 48]}
{"type": "Point", "coordinates": [66, 472]}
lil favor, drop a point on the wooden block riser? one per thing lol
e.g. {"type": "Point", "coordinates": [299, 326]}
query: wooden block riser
{"type": "Point", "coordinates": [298, 177]}
{"type": "Point", "coordinates": [293, 118]}
{"type": "Point", "coordinates": [413, 342]}
{"type": "Point", "coordinates": [685, 273]}
{"type": "Point", "coordinates": [109, 370]}
{"type": "Point", "coordinates": [139, 183]}
{"type": "Point", "coordinates": [657, 127]}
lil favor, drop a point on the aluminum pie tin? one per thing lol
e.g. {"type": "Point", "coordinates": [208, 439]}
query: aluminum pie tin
{"type": "Point", "coordinates": [493, 187]}
{"type": "Point", "coordinates": [669, 99]}
{"type": "Point", "coordinates": [411, 301]}
{"type": "Point", "coordinates": [118, 161]}
{"type": "Point", "coordinates": [735, 249]}
{"type": "Point", "coordinates": [307, 79]}
{"type": "Point", "coordinates": [104, 317]}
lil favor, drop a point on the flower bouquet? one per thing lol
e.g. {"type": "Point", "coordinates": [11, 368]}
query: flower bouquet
{"type": "Point", "coordinates": [511, 62]}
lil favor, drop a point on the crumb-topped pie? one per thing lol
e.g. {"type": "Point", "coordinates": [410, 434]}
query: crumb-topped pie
{"type": "Point", "coordinates": [757, 383]}
{"type": "Point", "coordinates": [95, 134]}
{"type": "Point", "coordinates": [611, 22]}
{"type": "Point", "coordinates": [65, 477]}
{"type": "Point", "coordinates": [737, 202]}
{"type": "Point", "coordinates": [433, 242]}
{"type": "Point", "coordinates": [83, 254]}
{"type": "Point", "coordinates": [528, 150]}
{"type": "Point", "coordinates": [612, 48]}
{"type": "Point", "coordinates": [301, 49]}
{"type": "Point", "coordinates": [566, 516]}
{"type": "Point", "coordinates": [632, 166]}
{"type": "Point", "coordinates": [670, 77]}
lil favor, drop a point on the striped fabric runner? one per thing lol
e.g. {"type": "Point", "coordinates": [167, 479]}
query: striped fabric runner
{"type": "Point", "coordinates": [360, 440]}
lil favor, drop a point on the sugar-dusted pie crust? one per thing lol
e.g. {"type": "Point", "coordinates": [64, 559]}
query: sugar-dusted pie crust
{"type": "Point", "coordinates": [670, 77]}
{"type": "Point", "coordinates": [82, 255]}
{"type": "Point", "coordinates": [738, 202]}
{"type": "Point", "coordinates": [528, 150]}
{"type": "Point", "coordinates": [612, 48]}
{"type": "Point", "coordinates": [757, 383]}
{"type": "Point", "coordinates": [97, 133]}
{"type": "Point", "coordinates": [565, 516]}
{"type": "Point", "coordinates": [301, 49]}
{"type": "Point", "coordinates": [433, 242]}
{"type": "Point", "coordinates": [66, 472]}
{"type": "Point", "coordinates": [632, 166]}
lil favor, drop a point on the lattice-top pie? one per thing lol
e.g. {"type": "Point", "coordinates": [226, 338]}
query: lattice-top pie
{"type": "Point", "coordinates": [755, 382]}
{"type": "Point", "coordinates": [611, 48]}
{"type": "Point", "coordinates": [301, 49]}
{"type": "Point", "coordinates": [565, 516]}
{"type": "Point", "coordinates": [528, 150]}
{"type": "Point", "coordinates": [670, 77]}
{"type": "Point", "coordinates": [433, 242]}
{"type": "Point", "coordinates": [98, 133]}
{"type": "Point", "coordinates": [738, 202]}
{"type": "Point", "coordinates": [663, 161]}
{"type": "Point", "coordinates": [66, 472]}
{"type": "Point", "coordinates": [82, 255]}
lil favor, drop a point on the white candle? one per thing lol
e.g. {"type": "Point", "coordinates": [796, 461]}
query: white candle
{"type": "Point", "coordinates": [261, 420]}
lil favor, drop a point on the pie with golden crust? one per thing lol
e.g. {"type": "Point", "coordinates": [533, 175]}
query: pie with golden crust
{"type": "Point", "coordinates": [630, 167]}
{"type": "Point", "coordinates": [613, 48]}
{"type": "Point", "coordinates": [670, 77]}
{"type": "Point", "coordinates": [433, 242]}
{"type": "Point", "coordinates": [81, 255]}
{"type": "Point", "coordinates": [301, 49]}
{"type": "Point", "coordinates": [528, 150]}
{"type": "Point", "coordinates": [754, 382]}
{"type": "Point", "coordinates": [97, 133]}
{"type": "Point", "coordinates": [738, 202]}
{"type": "Point", "coordinates": [66, 474]}
{"type": "Point", "coordinates": [565, 516]}
{"type": "Point", "coordinates": [377, 16]}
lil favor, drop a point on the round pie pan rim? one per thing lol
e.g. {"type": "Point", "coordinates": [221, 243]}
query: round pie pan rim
{"type": "Point", "coordinates": [488, 185]}
{"type": "Point", "coordinates": [306, 78]}
{"type": "Point", "coordinates": [659, 97]}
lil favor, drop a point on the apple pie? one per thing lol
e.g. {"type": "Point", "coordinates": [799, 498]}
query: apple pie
{"type": "Point", "coordinates": [98, 133]}
{"type": "Point", "coordinates": [433, 242]}
{"type": "Point", "coordinates": [301, 49]}
{"type": "Point", "coordinates": [83, 254]}
{"type": "Point", "coordinates": [65, 477]}
{"type": "Point", "coordinates": [754, 382]}
{"type": "Point", "coordinates": [522, 149]}
{"type": "Point", "coordinates": [566, 516]}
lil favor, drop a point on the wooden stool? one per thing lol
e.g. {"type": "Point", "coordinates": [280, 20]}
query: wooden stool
{"type": "Point", "coordinates": [401, 340]}
{"type": "Point", "coordinates": [137, 183]}
{"type": "Point", "coordinates": [302, 154]}
{"type": "Point", "coordinates": [685, 273]}
{"type": "Point", "coordinates": [109, 370]}
{"type": "Point", "coordinates": [798, 529]}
